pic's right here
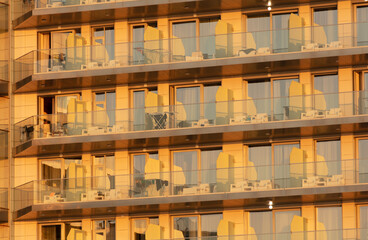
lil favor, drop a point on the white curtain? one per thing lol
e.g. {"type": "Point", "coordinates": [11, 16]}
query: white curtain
{"type": "Point", "coordinates": [188, 162]}
{"type": "Point", "coordinates": [362, 25]}
{"type": "Point", "coordinates": [190, 97]}
{"type": "Point", "coordinates": [261, 157]}
{"type": "Point", "coordinates": [187, 32]}
{"type": "Point", "coordinates": [207, 41]}
{"type": "Point", "coordinates": [283, 221]}
{"type": "Point", "coordinates": [208, 165]}
{"type": "Point", "coordinates": [210, 102]}
{"type": "Point", "coordinates": [209, 224]}
{"type": "Point", "coordinates": [331, 217]}
{"type": "Point", "coordinates": [282, 164]}
{"type": "Point", "coordinates": [262, 224]}
{"type": "Point", "coordinates": [328, 19]}
{"type": "Point", "coordinates": [329, 86]}
{"type": "Point", "coordinates": [280, 32]}
{"type": "Point", "coordinates": [259, 28]}
{"type": "Point", "coordinates": [139, 111]}
{"type": "Point", "coordinates": [281, 97]}
{"type": "Point", "coordinates": [331, 151]}
{"type": "Point", "coordinates": [261, 94]}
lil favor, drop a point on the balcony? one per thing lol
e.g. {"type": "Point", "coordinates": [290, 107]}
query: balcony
{"type": "Point", "coordinates": [3, 143]}
{"type": "Point", "coordinates": [187, 58]}
{"type": "Point", "coordinates": [40, 13]}
{"type": "Point", "coordinates": [191, 123]}
{"type": "Point", "coordinates": [296, 182]}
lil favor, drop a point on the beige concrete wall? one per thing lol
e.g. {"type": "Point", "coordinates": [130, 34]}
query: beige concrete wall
{"type": "Point", "coordinates": [25, 105]}
{"type": "Point", "coordinates": [347, 157]}
{"type": "Point", "coordinates": [25, 231]}
{"type": "Point", "coordinates": [123, 227]}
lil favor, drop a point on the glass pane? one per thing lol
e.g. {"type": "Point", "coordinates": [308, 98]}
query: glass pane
{"type": "Point", "coordinates": [189, 97]}
{"type": "Point", "coordinates": [138, 44]}
{"type": "Point", "coordinates": [187, 161]}
{"type": "Point", "coordinates": [259, 27]}
{"type": "Point", "coordinates": [139, 163]}
{"type": "Point", "coordinates": [331, 219]}
{"type": "Point", "coordinates": [139, 111]}
{"type": "Point", "coordinates": [209, 100]}
{"type": "Point", "coordinates": [207, 41]}
{"type": "Point", "coordinates": [109, 42]}
{"type": "Point", "coordinates": [209, 224]}
{"type": "Point", "coordinates": [328, 87]}
{"type": "Point", "coordinates": [73, 230]}
{"type": "Point", "coordinates": [260, 92]}
{"type": "Point", "coordinates": [363, 218]}
{"type": "Point", "coordinates": [330, 152]}
{"type": "Point", "coordinates": [110, 231]}
{"type": "Point", "coordinates": [64, 104]}
{"type": "Point", "coordinates": [363, 161]}
{"type": "Point", "coordinates": [52, 232]}
{"type": "Point", "coordinates": [261, 222]}
{"type": "Point", "coordinates": [328, 19]}
{"type": "Point", "coordinates": [186, 31]}
{"type": "Point", "coordinates": [188, 226]}
{"type": "Point", "coordinates": [362, 24]}
{"type": "Point", "coordinates": [262, 159]}
{"type": "Point", "coordinates": [286, 175]}
{"type": "Point", "coordinates": [283, 221]}
{"type": "Point", "coordinates": [139, 229]}
{"type": "Point", "coordinates": [110, 107]}
{"type": "Point", "coordinates": [281, 98]}
{"type": "Point", "coordinates": [208, 166]}
{"type": "Point", "coordinates": [280, 32]}
{"type": "Point", "coordinates": [50, 169]}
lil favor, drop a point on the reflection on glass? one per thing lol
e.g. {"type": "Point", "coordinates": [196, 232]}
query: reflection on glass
{"type": "Point", "coordinates": [103, 172]}
{"type": "Point", "coordinates": [140, 227]}
{"type": "Point", "coordinates": [139, 111]}
{"type": "Point", "coordinates": [280, 32]}
{"type": "Point", "coordinates": [363, 221]}
{"type": "Point", "coordinates": [208, 166]}
{"type": "Point", "coordinates": [260, 90]}
{"type": "Point", "coordinates": [329, 86]}
{"type": "Point", "coordinates": [283, 221]}
{"type": "Point", "coordinates": [331, 219]}
{"type": "Point", "coordinates": [73, 230]}
{"type": "Point", "coordinates": [284, 178]}
{"type": "Point", "coordinates": [189, 97]}
{"type": "Point", "coordinates": [187, 32]}
{"type": "Point", "coordinates": [188, 162]}
{"type": "Point", "coordinates": [104, 229]}
{"type": "Point", "coordinates": [209, 100]}
{"type": "Point", "coordinates": [331, 152]}
{"type": "Point", "coordinates": [209, 224]}
{"type": "Point", "coordinates": [328, 19]}
{"type": "Point", "coordinates": [262, 159]}
{"type": "Point", "coordinates": [139, 163]}
{"type": "Point", "coordinates": [207, 41]}
{"type": "Point", "coordinates": [105, 105]}
{"type": "Point", "coordinates": [362, 24]}
{"type": "Point", "coordinates": [51, 169]}
{"type": "Point", "coordinates": [363, 161]}
{"type": "Point", "coordinates": [281, 98]}
{"type": "Point", "coordinates": [259, 28]}
{"type": "Point", "coordinates": [188, 226]}
{"type": "Point", "coordinates": [138, 44]}
{"type": "Point", "coordinates": [261, 222]}
{"type": "Point", "coordinates": [51, 232]}
{"type": "Point", "coordinates": [103, 41]}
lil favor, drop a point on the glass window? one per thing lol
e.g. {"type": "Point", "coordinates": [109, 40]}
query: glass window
{"type": "Point", "coordinates": [329, 223]}
{"type": "Point", "coordinates": [280, 32]}
{"type": "Point", "coordinates": [262, 159]}
{"type": "Point", "coordinates": [51, 232]}
{"type": "Point", "coordinates": [104, 230]}
{"type": "Point", "coordinates": [363, 160]}
{"type": "Point", "coordinates": [260, 92]}
{"type": "Point", "coordinates": [138, 39]}
{"type": "Point", "coordinates": [187, 32]}
{"type": "Point", "coordinates": [265, 223]}
{"type": "Point", "coordinates": [188, 226]}
{"type": "Point", "coordinates": [103, 172]}
{"type": "Point", "coordinates": [140, 227]}
{"type": "Point", "coordinates": [327, 87]}
{"type": "Point", "coordinates": [259, 28]}
{"type": "Point", "coordinates": [209, 99]}
{"type": "Point", "coordinates": [208, 166]}
{"type": "Point", "coordinates": [328, 19]}
{"type": "Point", "coordinates": [329, 153]}
{"type": "Point", "coordinates": [104, 107]}
{"type": "Point", "coordinates": [362, 25]}
{"type": "Point", "coordinates": [189, 97]}
{"type": "Point", "coordinates": [139, 175]}
{"type": "Point", "coordinates": [287, 173]}
{"type": "Point", "coordinates": [207, 41]}
{"type": "Point", "coordinates": [363, 222]}
{"type": "Point", "coordinates": [209, 224]}
{"type": "Point", "coordinates": [73, 230]}
{"type": "Point", "coordinates": [103, 40]}
{"type": "Point", "coordinates": [281, 89]}
{"type": "Point", "coordinates": [188, 162]}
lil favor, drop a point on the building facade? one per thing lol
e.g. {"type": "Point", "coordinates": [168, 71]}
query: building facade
{"type": "Point", "coordinates": [183, 119]}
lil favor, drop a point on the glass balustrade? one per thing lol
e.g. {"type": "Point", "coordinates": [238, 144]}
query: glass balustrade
{"type": "Point", "coordinates": [298, 174]}
{"type": "Point", "coordinates": [250, 111]}
{"type": "Point", "coordinates": [77, 56]}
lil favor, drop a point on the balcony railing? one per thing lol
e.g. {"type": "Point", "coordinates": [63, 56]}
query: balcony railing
{"type": "Point", "coordinates": [179, 116]}
{"type": "Point", "coordinates": [297, 175]}
{"type": "Point", "coordinates": [3, 70]}
{"type": "Point", "coordinates": [247, 44]}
